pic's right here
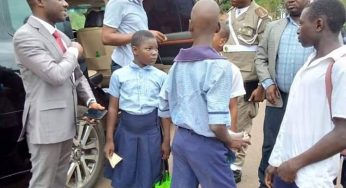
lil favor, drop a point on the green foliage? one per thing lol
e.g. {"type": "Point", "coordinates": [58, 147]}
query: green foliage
{"type": "Point", "coordinates": [225, 5]}
{"type": "Point", "coordinates": [77, 17]}
{"type": "Point", "coordinates": [274, 7]}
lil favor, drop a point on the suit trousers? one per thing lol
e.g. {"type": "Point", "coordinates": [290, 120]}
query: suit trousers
{"type": "Point", "coordinates": [246, 112]}
{"type": "Point", "coordinates": [50, 164]}
{"type": "Point", "coordinates": [272, 122]}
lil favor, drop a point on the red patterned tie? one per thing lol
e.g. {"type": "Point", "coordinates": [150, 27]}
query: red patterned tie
{"type": "Point", "coordinates": [59, 41]}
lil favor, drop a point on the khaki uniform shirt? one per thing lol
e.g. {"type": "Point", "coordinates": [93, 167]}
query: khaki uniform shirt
{"type": "Point", "coordinates": [248, 29]}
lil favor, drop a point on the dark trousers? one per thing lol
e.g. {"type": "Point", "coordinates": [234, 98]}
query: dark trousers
{"type": "Point", "coordinates": [199, 160]}
{"type": "Point", "coordinates": [271, 127]}
{"type": "Point", "coordinates": [278, 183]}
{"type": "Point", "coordinates": [114, 66]}
{"type": "Point", "coordinates": [343, 174]}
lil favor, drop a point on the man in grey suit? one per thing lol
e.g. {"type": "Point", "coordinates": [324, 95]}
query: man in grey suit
{"type": "Point", "coordinates": [278, 58]}
{"type": "Point", "coordinates": [52, 80]}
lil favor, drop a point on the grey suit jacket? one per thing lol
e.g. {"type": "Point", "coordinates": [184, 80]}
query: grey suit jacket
{"type": "Point", "coordinates": [51, 92]}
{"type": "Point", "coordinates": [267, 51]}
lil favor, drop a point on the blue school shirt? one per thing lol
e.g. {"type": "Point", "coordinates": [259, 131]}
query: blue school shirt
{"type": "Point", "coordinates": [137, 88]}
{"type": "Point", "coordinates": [197, 90]}
{"type": "Point", "coordinates": [127, 16]}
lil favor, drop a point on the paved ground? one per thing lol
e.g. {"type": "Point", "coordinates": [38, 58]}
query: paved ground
{"type": "Point", "coordinates": [249, 179]}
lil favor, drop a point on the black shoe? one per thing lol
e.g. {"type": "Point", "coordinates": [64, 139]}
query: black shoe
{"type": "Point", "coordinates": [237, 176]}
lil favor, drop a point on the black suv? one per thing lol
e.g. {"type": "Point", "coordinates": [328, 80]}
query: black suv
{"type": "Point", "coordinates": [168, 16]}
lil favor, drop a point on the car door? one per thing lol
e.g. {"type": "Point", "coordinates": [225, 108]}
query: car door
{"type": "Point", "coordinates": [14, 157]}
{"type": "Point", "coordinates": [170, 17]}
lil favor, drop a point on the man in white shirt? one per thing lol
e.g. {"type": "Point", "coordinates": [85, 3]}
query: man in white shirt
{"type": "Point", "coordinates": [305, 154]}
{"type": "Point", "coordinates": [122, 19]}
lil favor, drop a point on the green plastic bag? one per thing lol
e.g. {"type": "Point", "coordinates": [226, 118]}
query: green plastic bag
{"type": "Point", "coordinates": [165, 179]}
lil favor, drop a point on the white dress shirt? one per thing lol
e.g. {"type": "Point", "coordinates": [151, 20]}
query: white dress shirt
{"type": "Point", "coordinates": [237, 82]}
{"type": "Point", "coordinates": [240, 11]}
{"type": "Point", "coordinates": [51, 30]}
{"type": "Point", "coordinates": [307, 118]}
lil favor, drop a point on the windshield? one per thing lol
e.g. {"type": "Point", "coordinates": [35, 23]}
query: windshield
{"type": "Point", "coordinates": [168, 16]}
{"type": "Point", "coordinates": [12, 16]}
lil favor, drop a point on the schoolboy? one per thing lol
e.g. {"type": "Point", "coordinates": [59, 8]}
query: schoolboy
{"type": "Point", "coordinates": [313, 131]}
{"type": "Point", "coordinates": [196, 95]}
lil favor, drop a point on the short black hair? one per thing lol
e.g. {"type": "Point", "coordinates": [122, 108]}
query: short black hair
{"type": "Point", "coordinates": [333, 10]}
{"type": "Point", "coordinates": [224, 29]}
{"type": "Point", "coordinates": [139, 36]}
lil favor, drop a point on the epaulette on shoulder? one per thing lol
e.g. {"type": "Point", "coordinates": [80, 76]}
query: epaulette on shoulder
{"type": "Point", "coordinates": [261, 12]}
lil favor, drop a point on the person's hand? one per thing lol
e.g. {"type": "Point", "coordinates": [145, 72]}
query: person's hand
{"type": "Point", "coordinates": [79, 47]}
{"type": "Point", "coordinates": [257, 95]}
{"type": "Point", "coordinates": [234, 128]}
{"type": "Point", "coordinates": [272, 94]}
{"type": "Point", "coordinates": [287, 171]}
{"type": "Point", "coordinates": [269, 176]}
{"type": "Point", "coordinates": [237, 144]}
{"type": "Point", "coordinates": [109, 148]}
{"type": "Point", "coordinates": [160, 37]}
{"type": "Point", "coordinates": [96, 106]}
{"type": "Point", "coordinates": [165, 150]}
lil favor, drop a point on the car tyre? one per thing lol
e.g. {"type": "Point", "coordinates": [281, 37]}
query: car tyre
{"type": "Point", "coordinates": [87, 157]}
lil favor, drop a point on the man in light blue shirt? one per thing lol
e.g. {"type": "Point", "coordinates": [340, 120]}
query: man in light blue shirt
{"type": "Point", "coordinates": [122, 19]}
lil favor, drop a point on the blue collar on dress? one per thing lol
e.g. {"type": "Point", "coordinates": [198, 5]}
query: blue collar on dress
{"type": "Point", "coordinates": [197, 53]}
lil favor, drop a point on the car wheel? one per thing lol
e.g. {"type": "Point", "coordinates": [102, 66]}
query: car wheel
{"type": "Point", "coordinates": [87, 156]}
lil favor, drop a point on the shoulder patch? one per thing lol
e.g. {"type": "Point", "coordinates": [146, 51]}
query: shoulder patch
{"type": "Point", "coordinates": [261, 12]}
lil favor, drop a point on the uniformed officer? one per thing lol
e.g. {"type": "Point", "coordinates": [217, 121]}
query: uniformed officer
{"type": "Point", "coordinates": [247, 21]}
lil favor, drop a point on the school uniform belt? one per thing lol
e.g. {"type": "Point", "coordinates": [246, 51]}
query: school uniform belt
{"type": "Point", "coordinates": [239, 48]}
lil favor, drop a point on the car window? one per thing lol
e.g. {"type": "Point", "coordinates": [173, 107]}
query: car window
{"type": "Point", "coordinates": [18, 11]}
{"type": "Point", "coordinates": [12, 16]}
{"type": "Point", "coordinates": [168, 16]}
